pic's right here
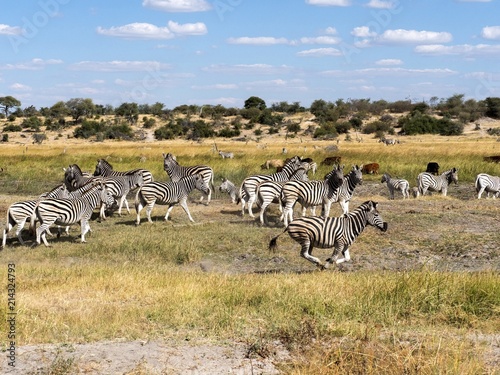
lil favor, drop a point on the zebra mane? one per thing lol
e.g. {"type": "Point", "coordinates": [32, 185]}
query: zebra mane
{"type": "Point", "coordinates": [364, 207]}
{"type": "Point", "coordinates": [105, 163]}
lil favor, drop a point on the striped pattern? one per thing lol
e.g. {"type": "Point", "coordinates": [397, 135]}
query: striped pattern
{"type": "Point", "coordinates": [168, 193]}
{"type": "Point", "coordinates": [19, 212]}
{"type": "Point", "coordinates": [311, 193]}
{"type": "Point", "coordinates": [119, 187]}
{"type": "Point", "coordinates": [394, 184]}
{"type": "Point", "coordinates": [229, 188]}
{"type": "Point", "coordinates": [487, 183]}
{"type": "Point", "coordinates": [270, 192]}
{"type": "Point", "coordinates": [176, 172]}
{"type": "Point", "coordinates": [346, 190]}
{"type": "Point", "coordinates": [226, 155]}
{"type": "Point", "coordinates": [428, 182]}
{"type": "Point", "coordinates": [248, 188]}
{"type": "Point", "coordinates": [105, 169]}
{"type": "Point", "coordinates": [70, 211]}
{"type": "Point", "coordinates": [337, 232]}
{"type": "Point", "coordinates": [74, 178]}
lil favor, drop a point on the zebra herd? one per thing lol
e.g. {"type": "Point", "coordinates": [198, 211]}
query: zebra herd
{"type": "Point", "coordinates": [81, 193]}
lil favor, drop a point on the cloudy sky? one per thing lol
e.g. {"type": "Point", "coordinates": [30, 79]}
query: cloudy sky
{"type": "Point", "coordinates": [224, 51]}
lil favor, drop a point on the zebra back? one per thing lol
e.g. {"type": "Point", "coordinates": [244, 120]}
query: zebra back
{"type": "Point", "coordinates": [105, 169]}
{"type": "Point", "coordinates": [487, 183]}
{"type": "Point", "coordinates": [427, 181]}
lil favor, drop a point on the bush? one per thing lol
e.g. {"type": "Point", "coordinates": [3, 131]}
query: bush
{"type": "Point", "coordinates": [12, 128]}
{"type": "Point", "coordinates": [5, 138]}
{"type": "Point", "coordinates": [326, 130]}
{"type": "Point", "coordinates": [32, 123]}
{"type": "Point", "coordinates": [377, 127]}
{"type": "Point", "coordinates": [227, 132]}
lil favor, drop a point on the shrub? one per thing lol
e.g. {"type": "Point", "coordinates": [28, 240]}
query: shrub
{"type": "Point", "coordinates": [32, 122]}
{"type": "Point", "coordinates": [326, 130]}
{"type": "Point", "coordinates": [12, 128]}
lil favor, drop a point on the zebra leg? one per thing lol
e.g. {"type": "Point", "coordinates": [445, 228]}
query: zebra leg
{"type": "Point", "coordinates": [84, 224]}
{"type": "Point", "coordinates": [138, 209]}
{"type": "Point", "coordinates": [480, 192]}
{"type": "Point", "coordinates": [6, 230]}
{"type": "Point", "coordinates": [40, 234]}
{"type": "Point", "coordinates": [149, 209]}
{"type": "Point", "coordinates": [122, 201]}
{"type": "Point", "coordinates": [263, 220]}
{"type": "Point", "coordinates": [306, 251]}
{"type": "Point", "coordinates": [170, 207]}
{"type": "Point", "coordinates": [183, 204]}
{"type": "Point", "coordinates": [19, 230]}
{"type": "Point", "coordinates": [250, 202]}
{"type": "Point", "coordinates": [102, 213]}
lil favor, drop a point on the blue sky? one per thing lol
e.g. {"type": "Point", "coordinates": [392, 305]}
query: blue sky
{"type": "Point", "coordinates": [224, 51]}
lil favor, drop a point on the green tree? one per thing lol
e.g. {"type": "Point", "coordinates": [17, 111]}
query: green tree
{"type": "Point", "coordinates": [8, 102]}
{"type": "Point", "coordinates": [255, 102]}
{"type": "Point", "coordinates": [79, 107]}
{"type": "Point", "coordinates": [493, 107]}
{"type": "Point", "coordinates": [128, 110]}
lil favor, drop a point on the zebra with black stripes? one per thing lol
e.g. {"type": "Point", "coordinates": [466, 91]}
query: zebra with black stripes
{"type": "Point", "coordinates": [346, 190]}
{"type": "Point", "coordinates": [394, 184]}
{"type": "Point", "coordinates": [428, 182]}
{"type": "Point", "coordinates": [168, 193]}
{"type": "Point", "coordinates": [69, 211]}
{"type": "Point", "coordinates": [74, 178]}
{"type": "Point", "coordinates": [270, 192]}
{"type": "Point", "coordinates": [248, 188]}
{"type": "Point", "coordinates": [229, 188]}
{"type": "Point", "coordinates": [226, 155]}
{"type": "Point", "coordinates": [311, 193]}
{"type": "Point", "coordinates": [487, 183]}
{"type": "Point", "coordinates": [337, 232]}
{"type": "Point", "coordinates": [105, 169]}
{"type": "Point", "coordinates": [119, 187]}
{"type": "Point", "coordinates": [176, 172]}
{"type": "Point", "coordinates": [19, 212]}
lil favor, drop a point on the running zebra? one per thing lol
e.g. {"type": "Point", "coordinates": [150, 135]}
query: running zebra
{"type": "Point", "coordinates": [19, 212]}
{"type": "Point", "coordinates": [487, 183]}
{"type": "Point", "coordinates": [69, 211]}
{"type": "Point", "coordinates": [105, 169]}
{"type": "Point", "coordinates": [311, 193]}
{"type": "Point", "coordinates": [228, 187]}
{"type": "Point", "coordinates": [168, 193]}
{"type": "Point", "coordinates": [336, 232]}
{"type": "Point", "coordinates": [247, 192]}
{"type": "Point", "coordinates": [176, 172]}
{"type": "Point", "coordinates": [396, 184]}
{"type": "Point", "coordinates": [428, 182]}
{"type": "Point", "coordinates": [270, 192]}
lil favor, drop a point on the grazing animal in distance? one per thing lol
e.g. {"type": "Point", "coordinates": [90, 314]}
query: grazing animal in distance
{"type": "Point", "coordinates": [428, 182]}
{"type": "Point", "coordinates": [331, 160]}
{"type": "Point", "coordinates": [432, 167]}
{"type": "Point", "coordinates": [337, 232]}
{"type": "Point", "coordinates": [487, 183]}
{"type": "Point", "coordinates": [226, 155]}
{"type": "Point", "coordinates": [228, 187]}
{"type": "Point", "coordinates": [371, 168]}
{"type": "Point", "coordinates": [388, 141]}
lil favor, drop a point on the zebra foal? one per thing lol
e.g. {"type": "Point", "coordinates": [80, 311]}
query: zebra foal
{"type": "Point", "coordinates": [168, 193]}
{"type": "Point", "coordinates": [487, 183]}
{"type": "Point", "coordinates": [176, 172]}
{"type": "Point", "coordinates": [229, 188]}
{"type": "Point", "coordinates": [428, 182]}
{"type": "Point", "coordinates": [70, 211]}
{"type": "Point", "coordinates": [337, 232]}
{"type": "Point", "coordinates": [394, 184]}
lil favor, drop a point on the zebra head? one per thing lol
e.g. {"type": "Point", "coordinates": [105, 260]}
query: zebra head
{"type": "Point", "coordinates": [373, 217]}
{"type": "Point", "coordinates": [226, 185]}
{"type": "Point", "coordinates": [452, 176]}
{"type": "Point", "coordinates": [385, 178]}
{"type": "Point", "coordinates": [169, 161]}
{"type": "Point", "coordinates": [336, 176]}
{"type": "Point", "coordinates": [101, 167]}
{"type": "Point", "coordinates": [201, 184]}
{"type": "Point", "coordinates": [106, 196]}
{"type": "Point", "coordinates": [356, 174]}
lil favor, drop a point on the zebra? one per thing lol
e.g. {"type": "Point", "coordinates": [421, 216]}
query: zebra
{"type": "Point", "coordinates": [396, 184]}
{"type": "Point", "coordinates": [19, 212]}
{"type": "Point", "coordinates": [270, 191]}
{"type": "Point", "coordinates": [105, 169]}
{"type": "Point", "coordinates": [427, 181]}
{"type": "Point", "coordinates": [176, 172]}
{"type": "Point", "coordinates": [226, 155]}
{"type": "Point", "coordinates": [311, 193]}
{"type": "Point", "coordinates": [487, 183]}
{"type": "Point", "coordinates": [228, 187]}
{"type": "Point", "coordinates": [75, 178]}
{"type": "Point", "coordinates": [119, 187]}
{"type": "Point", "coordinates": [346, 190]}
{"type": "Point", "coordinates": [168, 193]}
{"type": "Point", "coordinates": [337, 232]}
{"type": "Point", "coordinates": [388, 141]}
{"type": "Point", "coordinates": [69, 211]}
{"type": "Point", "coordinates": [249, 186]}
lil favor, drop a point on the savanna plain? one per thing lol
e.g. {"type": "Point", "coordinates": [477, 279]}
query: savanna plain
{"type": "Point", "coordinates": [210, 298]}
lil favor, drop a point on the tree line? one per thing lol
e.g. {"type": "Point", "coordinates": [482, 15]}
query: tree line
{"type": "Point", "coordinates": [445, 116]}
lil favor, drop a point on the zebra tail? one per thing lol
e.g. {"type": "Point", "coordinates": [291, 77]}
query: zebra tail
{"type": "Point", "coordinates": [273, 244]}
{"type": "Point", "coordinates": [139, 199]}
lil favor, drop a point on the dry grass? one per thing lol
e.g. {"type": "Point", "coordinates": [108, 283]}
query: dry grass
{"type": "Point", "coordinates": [405, 305]}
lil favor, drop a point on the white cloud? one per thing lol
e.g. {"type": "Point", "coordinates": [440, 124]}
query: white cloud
{"type": "Point", "coordinates": [19, 87]}
{"type": "Point", "coordinates": [137, 30]}
{"type": "Point", "coordinates": [413, 36]}
{"type": "Point", "coordinates": [34, 64]}
{"type": "Point", "coordinates": [198, 28]}
{"type": "Point", "coordinates": [262, 40]}
{"type": "Point", "coordinates": [122, 66]}
{"type": "Point", "coordinates": [380, 4]}
{"type": "Point", "coordinates": [320, 40]}
{"type": "Point", "coordinates": [371, 72]}
{"type": "Point", "coordinates": [336, 3]}
{"type": "Point", "coordinates": [363, 32]}
{"type": "Point", "coordinates": [462, 49]}
{"type": "Point", "coordinates": [178, 5]}
{"type": "Point", "coordinates": [218, 86]}
{"type": "Point", "coordinates": [319, 52]}
{"type": "Point", "coordinates": [387, 62]}
{"type": "Point", "coordinates": [10, 30]}
{"type": "Point", "coordinates": [330, 31]}
{"type": "Point", "coordinates": [491, 32]}
{"type": "Point", "coordinates": [247, 69]}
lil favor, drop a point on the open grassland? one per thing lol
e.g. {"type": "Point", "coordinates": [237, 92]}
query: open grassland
{"type": "Point", "coordinates": [422, 298]}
